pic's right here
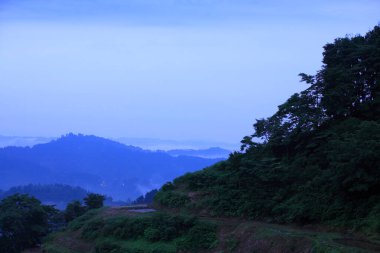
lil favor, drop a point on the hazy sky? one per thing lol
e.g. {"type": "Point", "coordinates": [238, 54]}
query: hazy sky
{"type": "Point", "coordinates": [171, 69]}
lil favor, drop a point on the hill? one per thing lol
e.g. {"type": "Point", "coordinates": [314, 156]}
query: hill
{"type": "Point", "coordinates": [94, 163]}
{"type": "Point", "coordinates": [315, 161]}
{"type": "Point", "coordinates": [53, 194]}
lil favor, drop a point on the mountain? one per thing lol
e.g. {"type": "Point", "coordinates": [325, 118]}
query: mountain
{"type": "Point", "coordinates": [214, 152]}
{"type": "Point", "coordinates": [162, 144]}
{"type": "Point", "coordinates": [94, 163]}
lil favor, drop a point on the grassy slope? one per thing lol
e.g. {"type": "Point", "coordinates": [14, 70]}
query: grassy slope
{"type": "Point", "coordinates": [234, 235]}
{"type": "Point", "coordinates": [84, 235]}
{"type": "Point", "coordinates": [330, 177]}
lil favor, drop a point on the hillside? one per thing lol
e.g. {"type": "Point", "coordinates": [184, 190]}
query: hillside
{"type": "Point", "coordinates": [120, 230]}
{"type": "Point", "coordinates": [96, 164]}
{"type": "Point", "coordinates": [315, 161]}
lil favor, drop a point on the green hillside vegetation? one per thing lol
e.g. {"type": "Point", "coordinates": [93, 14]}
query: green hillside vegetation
{"type": "Point", "coordinates": [120, 230]}
{"type": "Point", "coordinates": [316, 160]}
{"type": "Point", "coordinates": [116, 230]}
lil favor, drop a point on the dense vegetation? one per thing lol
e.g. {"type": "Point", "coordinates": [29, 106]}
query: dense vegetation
{"type": "Point", "coordinates": [75, 208]}
{"type": "Point", "coordinates": [147, 233]}
{"type": "Point", "coordinates": [316, 160]}
{"type": "Point", "coordinates": [24, 221]}
{"type": "Point", "coordinates": [147, 198]}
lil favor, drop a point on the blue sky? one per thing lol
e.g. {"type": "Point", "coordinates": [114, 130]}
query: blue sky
{"type": "Point", "coordinates": [170, 69]}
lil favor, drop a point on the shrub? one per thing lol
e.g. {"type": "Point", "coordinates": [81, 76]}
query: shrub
{"type": "Point", "coordinates": [201, 236]}
{"type": "Point", "coordinates": [172, 199]}
{"type": "Point", "coordinates": [108, 246]}
{"type": "Point", "coordinates": [152, 234]}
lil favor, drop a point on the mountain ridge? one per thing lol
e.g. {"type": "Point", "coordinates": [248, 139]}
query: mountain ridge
{"type": "Point", "coordinates": [94, 163]}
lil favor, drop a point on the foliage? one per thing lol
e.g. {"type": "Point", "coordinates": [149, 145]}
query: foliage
{"type": "Point", "coordinates": [316, 160]}
{"type": "Point", "coordinates": [147, 198]}
{"type": "Point", "coordinates": [94, 201]}
{"type": "Point", "coordinates": [23, 222]}
{"type": "Point", "coordinates": [74, 210]}
{"type": "Point", "coordinates": [148, 233]}
{"type": "Point", "coordinates": [171, 199]}
{"type": "Point", "coordinates": [200, 236]}
{"type": "Point", "coordinates": [79, 222]}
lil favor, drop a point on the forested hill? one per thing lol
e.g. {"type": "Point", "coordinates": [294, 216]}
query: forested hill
{"type": "Point", "coordinates": [316, 160]}
{"type": "Point", "coordinates": [52, 194]}
{"type": "Point", "coordinates": [94, 163]}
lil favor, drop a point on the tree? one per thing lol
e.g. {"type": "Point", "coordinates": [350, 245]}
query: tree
{"type": "Point", "coordinates": [147, 198]}
{"type": "Point", "coordinates": [94, 200]}
{"type": "Point", "coordinates": [348, 85]}
{"type": "Point", "coordinates": [74, 210]}
{"type": "Point", "coordinates": [23, 222]}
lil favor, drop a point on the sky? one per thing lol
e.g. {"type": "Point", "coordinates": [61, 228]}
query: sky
{"type": "Point", "coordinates": [169, 69]}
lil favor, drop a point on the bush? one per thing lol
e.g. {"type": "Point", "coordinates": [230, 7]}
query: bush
{"type": "Point", "coordinates": [152, 234]}
{"type": "Point", "coordinates": [93, 229]}
{"type": "Point", "coordinates": [200, 237]}
{"type": "Point", "coordinates": [94, 201]}
{"type": "Point", "coordinates": [108, 246]}
{"type": "Point", "coordinates": [172, 199]}
{"type": "Point", "coordinates": [74, 210]}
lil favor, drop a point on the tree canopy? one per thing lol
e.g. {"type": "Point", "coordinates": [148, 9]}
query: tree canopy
{"type": "Point", "coordinates": [94, 200]}
{"type": "Point", "coordinates": [23, 222]}
{"type": "Point", "coordinates": [346, 86]}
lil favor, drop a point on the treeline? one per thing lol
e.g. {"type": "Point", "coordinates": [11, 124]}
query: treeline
{"type": "Point", "coordinates": [316, 160]}
{"type": "Point", "coordinates": [48, 192]}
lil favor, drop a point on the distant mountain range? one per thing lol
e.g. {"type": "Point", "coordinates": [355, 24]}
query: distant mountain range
{"type": "Point", "coordinates": [96, 164]}
{"type": "Point", "coordinates": [22, 141]}
{"type": "Point", "coordinates": [145, 143]}
{"type": "Point", "coordinates": [205, 153]}
{"type": "Point", "coordinates": [162, 144]}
